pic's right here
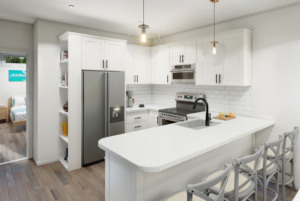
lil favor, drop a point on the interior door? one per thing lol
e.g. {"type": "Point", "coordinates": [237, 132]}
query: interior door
{"type": "Point", "coordinates": [160, 67]}
{"type": "Point", "coordinates": [176, 53]}
{"type": "Point", "coordinates": [92, 54]}
{"type": "Point", "coordinates": [114, 56]}
{"type": "Point", "coordinates": [190, 52]}
{"type": "Point", "coordinates": [93, 115]}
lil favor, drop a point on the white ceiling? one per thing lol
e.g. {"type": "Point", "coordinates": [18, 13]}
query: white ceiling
{"type": "Point", "coordinates": [166, 16]}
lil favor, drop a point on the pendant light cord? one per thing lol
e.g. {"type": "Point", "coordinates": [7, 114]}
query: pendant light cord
{"type": "Point", "coordinates": [143, 11]}
{"type": "Point", "coordinates": [214, 22]}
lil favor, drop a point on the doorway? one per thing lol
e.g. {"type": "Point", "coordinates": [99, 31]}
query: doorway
{"type": "Point", "coordinates": [16, 81]}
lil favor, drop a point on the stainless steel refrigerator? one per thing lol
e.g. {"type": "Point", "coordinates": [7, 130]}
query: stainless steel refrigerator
{"type": "Point", "coordinates": [103, 111]}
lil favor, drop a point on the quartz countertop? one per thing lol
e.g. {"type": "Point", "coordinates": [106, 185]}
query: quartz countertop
{"type": "Point", "coordinates": [159, 148]}
{"type": "Point", "coordinates": [152, 107]}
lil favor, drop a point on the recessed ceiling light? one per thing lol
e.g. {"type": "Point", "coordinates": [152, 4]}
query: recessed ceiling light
{"type": "Point", "coordinates": [71, 6]}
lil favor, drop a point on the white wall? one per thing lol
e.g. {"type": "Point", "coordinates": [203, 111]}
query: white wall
{"type": "Point", "coordinates": [275, 68]}
{"type": "Point", "coordinates": [47, 80]}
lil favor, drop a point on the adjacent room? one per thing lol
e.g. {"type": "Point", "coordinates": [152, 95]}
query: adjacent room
{"type": "Point", "coordinates": [149, 100]}
{"type": "Point", "coordinates": [13, 107]}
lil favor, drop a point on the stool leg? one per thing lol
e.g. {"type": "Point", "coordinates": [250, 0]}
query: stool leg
{"type": "Point", "coordinates": [265, 185]}
{"type": "Point", "coordinates": [283, 182]}
{"type": "Point", "coordinates": [293, 174]}
{"type": "Point", "coordinates": [277, 185]}
{"type": "Point", "coordinates": [189, 196]}
{"type": "Point", "coordinates": [255, 195]}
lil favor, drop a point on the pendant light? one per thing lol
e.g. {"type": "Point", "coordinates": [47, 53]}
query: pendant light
{"type": "Point", "coordinates": [214, 54]}
{"type": "Point", "coordinates": [143, 41]}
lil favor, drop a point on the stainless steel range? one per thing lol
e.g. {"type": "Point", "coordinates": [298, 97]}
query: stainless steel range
{"type": "Point", "coordinates": [184, 106]}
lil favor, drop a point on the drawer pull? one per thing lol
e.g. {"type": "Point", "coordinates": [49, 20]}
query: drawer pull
{"type": "Point", "coordinates": [137, 127]}
{"type": "Point", "coordinates": [138, 118]}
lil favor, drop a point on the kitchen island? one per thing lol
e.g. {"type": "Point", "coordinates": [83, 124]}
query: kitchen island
{"type": "Point", "coordinates": [149, 164]}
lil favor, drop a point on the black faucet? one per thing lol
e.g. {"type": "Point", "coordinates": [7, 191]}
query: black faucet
{"type": "Point", "coordinates": [207, 118]}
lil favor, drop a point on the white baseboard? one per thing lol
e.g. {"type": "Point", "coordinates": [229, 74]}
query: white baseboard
{"type": "Point", "coordinates": [39, 163]}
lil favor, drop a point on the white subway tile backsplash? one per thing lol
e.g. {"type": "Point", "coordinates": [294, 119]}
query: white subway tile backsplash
{"type": "Point", "coordinates": [221, 99]}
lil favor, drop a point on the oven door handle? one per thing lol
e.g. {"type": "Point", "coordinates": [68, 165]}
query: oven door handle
{"type": "Point", "coordinates": [182, 71]}
{"type": "Point", "coordinates": [170, 119]}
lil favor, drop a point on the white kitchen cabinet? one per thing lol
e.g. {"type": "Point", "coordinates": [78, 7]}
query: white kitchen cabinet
{"type": "Point", "coordinates": [153, 122]}
{"type": "Point", "coordinates": [141, 120]}
{"type": "Point", "coordinates": [183, 53]}
{"type": "Point", "coordinates": [160, 67]}
{"type": "Point", "coordinates": [137, 126]}
{"type": "Point", "coordinates": [114, 56]}
{"type": "Point", "coordinates": [236, 69]}
{"type": "Point", "coordinates": [138, 71]}
{"type": "Point", "coordinates": [98, 54]}
{"type": "Point", "coordinates": [93, 51]}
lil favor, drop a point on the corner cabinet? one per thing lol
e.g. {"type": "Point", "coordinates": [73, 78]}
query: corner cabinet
{"type": "Point", "coordinates": [98, 54]}
{"type": "Point", "coordinates": [236, 69]}
{"type": "Point", "coordinates": [183, 53]}
{"type": "Point", "coordinates": [160, 67]}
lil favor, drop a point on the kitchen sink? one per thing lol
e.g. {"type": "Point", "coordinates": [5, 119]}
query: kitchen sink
{"type": "Point", "coordinates": [197, 124]}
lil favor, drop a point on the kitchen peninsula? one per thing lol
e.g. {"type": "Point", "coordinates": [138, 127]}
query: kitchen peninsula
{"type": "Point", "coordinates": [149, 164]}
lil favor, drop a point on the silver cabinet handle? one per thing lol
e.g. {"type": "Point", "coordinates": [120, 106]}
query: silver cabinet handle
{"type": "Point", "coordinates": [137, 78]}
{"type": "Point", "coordinates": [134, 78]}
{"type": "Point", "coordinates": [106, 63]}
{"type": "Point", "coordinates": [103, 63]}
{"type": "Point", "coordinates": [182, 58]}
{"type": "Point", "coordinates": [137, 127]}
{"type": "Point", "coordinates": [219, 78]}
{"type": "Point", "coordinates": [138, 118]}
{"type": "Point", "coordinates": [167, 78]}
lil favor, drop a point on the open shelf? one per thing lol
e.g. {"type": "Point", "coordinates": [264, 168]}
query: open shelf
{"type": "Point", "coordinates": [64, 163]}
{"type": "Point", "coordinates": [63, 112]}
{"type": "Point", "coordinates": [64, 62]}
{"type": "Point", "coordinates": [64, 87]}
{"type": "Point", "coordinates": [64, 138]}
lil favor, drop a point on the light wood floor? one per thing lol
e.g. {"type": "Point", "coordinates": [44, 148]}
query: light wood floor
{"type": "Point", "coordinates": [25, 181]}
{"type": "Point", "coordinates": [12, 145]}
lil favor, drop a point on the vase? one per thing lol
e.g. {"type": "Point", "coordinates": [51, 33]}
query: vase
{"type": "Point", "coordinates": [63, 82]}
{"type": "Point", "coordinates": [66, 107]}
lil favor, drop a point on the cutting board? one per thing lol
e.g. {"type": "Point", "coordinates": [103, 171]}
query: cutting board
{"type": "Point", "coordinates": [224, 118]}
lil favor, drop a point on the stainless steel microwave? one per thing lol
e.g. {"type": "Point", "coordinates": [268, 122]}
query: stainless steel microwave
{"type": "Point", "coordinates": [184, 74]}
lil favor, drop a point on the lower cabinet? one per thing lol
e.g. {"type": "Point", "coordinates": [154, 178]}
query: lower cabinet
{"type": "Point", "coordinates": [136, 121]}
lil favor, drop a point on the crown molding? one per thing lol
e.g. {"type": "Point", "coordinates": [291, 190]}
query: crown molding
{"type": "Point", "coordinates": [80, 27]}
{"type": "Point", "coordinates": [16, 22]}
{"type": "Point", "coordinates": [234, 19]}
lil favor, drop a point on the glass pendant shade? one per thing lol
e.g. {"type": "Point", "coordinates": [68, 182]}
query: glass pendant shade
{"type": "Point", "coordinates": [214, 54]}
{"type": "Point", "coordinates": [143, 43]}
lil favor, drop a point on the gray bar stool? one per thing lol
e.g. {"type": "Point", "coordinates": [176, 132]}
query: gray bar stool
{"type": "Point", "coordinates": [240, 186]}
{"type": "Point", "coordinates": [199, 192]}
{"type": "Point", "coordinates": [288, 157]}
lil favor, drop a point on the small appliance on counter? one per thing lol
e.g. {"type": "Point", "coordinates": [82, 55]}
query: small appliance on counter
{"type": "Point", "coordinates": [130, 100]}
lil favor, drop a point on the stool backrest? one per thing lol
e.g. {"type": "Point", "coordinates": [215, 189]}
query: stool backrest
{"type": "Point", "coordinates": [292, 136]}
{"type": "Point", "coordinates": [198, 189]}
{"type": "Point", "coordinates": [275, 147]}
{"type": "Point", "coordinates": [256, 158]}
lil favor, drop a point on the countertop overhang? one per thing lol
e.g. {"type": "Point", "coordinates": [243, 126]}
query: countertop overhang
{"type": "Point", "coordinates": [159, 148]}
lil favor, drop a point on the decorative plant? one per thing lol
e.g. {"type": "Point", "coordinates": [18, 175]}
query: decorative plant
{"type": "Point", "coordinates": [63, 78]}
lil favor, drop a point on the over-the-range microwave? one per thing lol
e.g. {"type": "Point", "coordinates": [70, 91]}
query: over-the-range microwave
{"type": "Point", "coordinates": [183, 74]}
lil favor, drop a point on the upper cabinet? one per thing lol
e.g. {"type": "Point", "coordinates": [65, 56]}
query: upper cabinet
{"type": "Point", "coordinates": [236, 69]}
{"type": "Point", "coordinates": [160, 67]}
{"type": "Point", "coordinates": [183, 53]}
{"type": "Point", "coordinates": [98, 54]}
{"type": "Point", "coordinates": [138, 71]}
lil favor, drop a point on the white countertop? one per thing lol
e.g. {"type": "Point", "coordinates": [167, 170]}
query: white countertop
{"type": "Point", "coordinates": [159, 148]}
{"type": "Point", "coordinates": [152, 107]}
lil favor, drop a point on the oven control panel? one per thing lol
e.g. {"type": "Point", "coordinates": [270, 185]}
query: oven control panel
{"type": "Point", "coordinates": [172, 116]}
{"type": "Point", "coordinates": [188, 97]}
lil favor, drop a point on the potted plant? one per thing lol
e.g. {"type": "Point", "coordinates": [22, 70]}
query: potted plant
{"type": "Point", "coordinates": [63, 80]}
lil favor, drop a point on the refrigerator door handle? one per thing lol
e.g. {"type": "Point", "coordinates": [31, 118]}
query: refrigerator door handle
{"type": "Point", "coordinates": [106, 104]}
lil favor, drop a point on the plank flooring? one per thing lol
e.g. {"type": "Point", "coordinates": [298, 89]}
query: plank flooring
{"type": "Point", "coordinates": [12, 145]}
{"type": "Point", "coordinates": [52, 182]}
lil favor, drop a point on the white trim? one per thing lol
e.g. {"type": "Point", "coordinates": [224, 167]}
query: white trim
{"type": "Point", "coordinates": [64, 37]}
{"type": "Point", "coordinates": [29, 96]}
{"type": "Point", "coordinates": [39, 163]}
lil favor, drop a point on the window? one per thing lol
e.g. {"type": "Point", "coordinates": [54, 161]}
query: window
{"type": "Point", "coordinates": [13, 60]}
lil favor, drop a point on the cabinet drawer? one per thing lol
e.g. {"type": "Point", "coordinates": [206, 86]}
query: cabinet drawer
{"type": "Point", "coordinates": [137, 117]}
{"type": "Point", "coordinates": [2, 112]}
{"type": "Point", "coordinates": [3, 116]}
{"type": "Point", "coordinates": [137, 126]}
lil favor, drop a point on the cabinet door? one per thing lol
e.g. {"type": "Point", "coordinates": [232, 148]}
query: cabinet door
{"type": "Point", "coordinates": [114, 56]}
{"type": "Point", "coordinates": [129, 68]}
{"type": "Point", "coordinates": [232, 68]}
{"type": "Point", "coordinates": [92, 54]}
{"type": "Point", "coordinates": [160, 67]}
{"type": "Point", "coordinates": [205, 74]}
{"type": "Point", "coordinates": [176, 52]}
{"type": "Point", "coordinates": [153, 119]}
{"type": "Point", "coordinates": [189, 52]}
{"type": "Point", "coordinates": [142, 71]}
